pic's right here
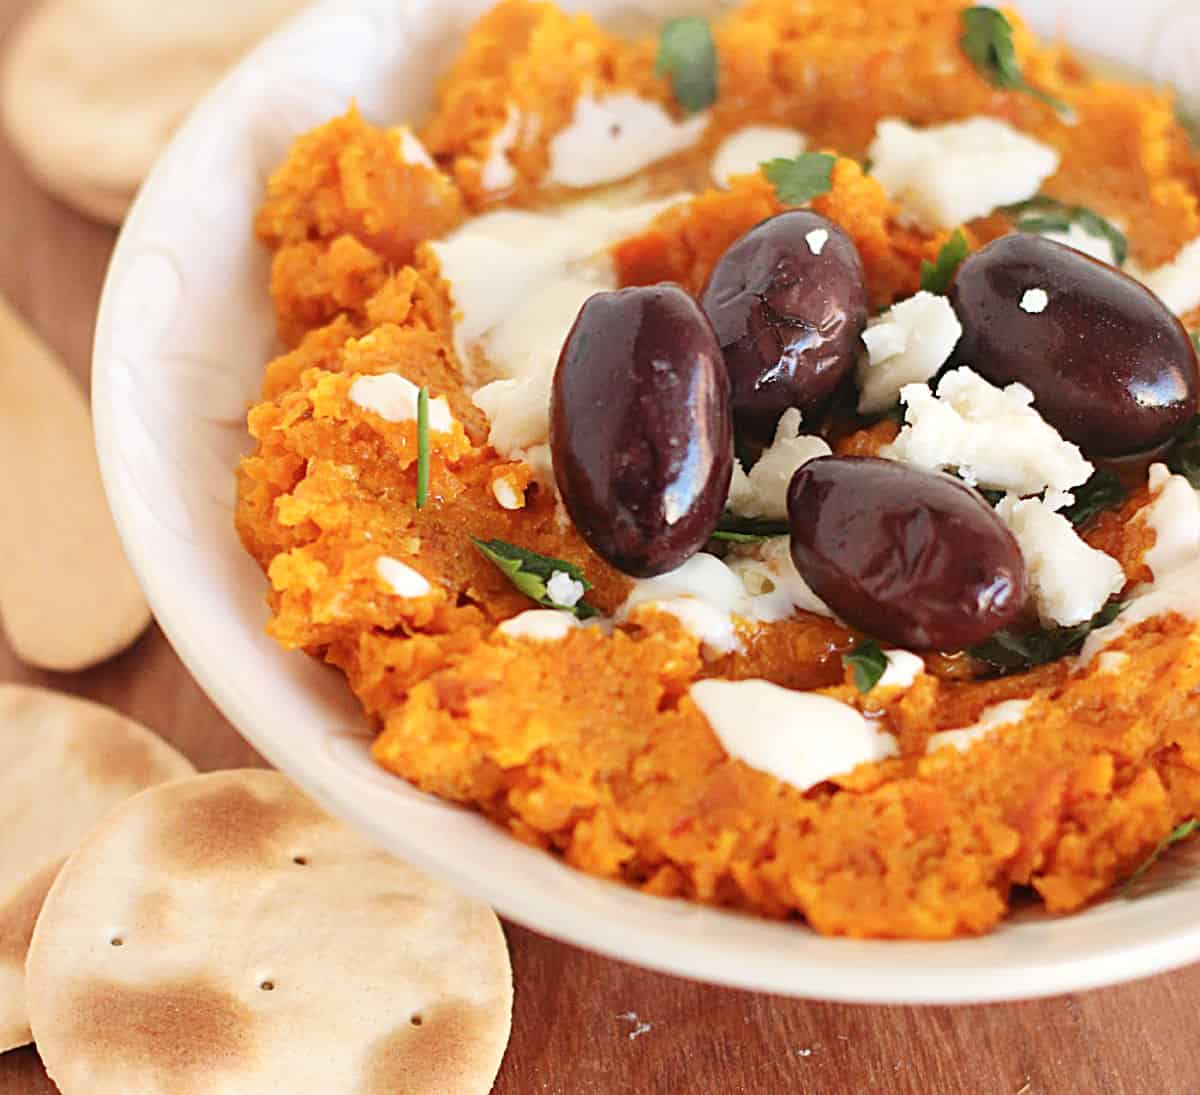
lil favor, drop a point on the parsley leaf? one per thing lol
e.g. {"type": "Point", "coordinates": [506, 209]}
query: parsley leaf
{"type": "Point", "coordinates": [422, 447]}
{"type": "Point", "coordinates": [797, 181]}
{"type": "Point", "coordinates": [1180, 832]}
{"type": "Point", "coordinates": [868, 662]}
{"type": "Point", "coordinates": [1185, 458]}
{"type": "Point", "coordinates": [987, 41]}
{"type": "Point", "coordinates": [732, 529]}
{"type": "Point", "coordinates": [1016, 651]}
{"type": "Point", "coordinates": [937, 276]}
{"type": "Point", "coordinates": [530, 572]}
{"type": "Point", "coordinates": [1103, 491]}
{"type": "Point", "coordinates": [688, 54]}
{"type": "Point", "coordinates": [1045, 214]}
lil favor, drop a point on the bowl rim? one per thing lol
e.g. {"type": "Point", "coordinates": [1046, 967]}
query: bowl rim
{"type": "Point", "coordinates": [917, 978]}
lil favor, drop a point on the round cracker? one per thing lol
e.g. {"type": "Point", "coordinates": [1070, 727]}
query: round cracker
{"type": "Point", "coordinates": [64, 764]}
{"type": "Point", "coordinates": [223, 934]}
{"type": "Point", "coordinates": [93, 89]}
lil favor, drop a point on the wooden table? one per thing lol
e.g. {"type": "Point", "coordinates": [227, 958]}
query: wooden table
{"type": "Point", "coordinates": [584, 1025]}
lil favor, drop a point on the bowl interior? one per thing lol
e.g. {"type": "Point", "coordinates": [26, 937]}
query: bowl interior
{"type": "Point", "coordinates": [185, 329]}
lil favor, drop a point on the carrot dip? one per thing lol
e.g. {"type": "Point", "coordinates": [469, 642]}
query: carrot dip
{"type": "Point", "coordinates": [912, 629]}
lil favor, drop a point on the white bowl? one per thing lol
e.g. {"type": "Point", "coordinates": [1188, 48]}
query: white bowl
{"type": "Point", "coordinates": [185, 330]}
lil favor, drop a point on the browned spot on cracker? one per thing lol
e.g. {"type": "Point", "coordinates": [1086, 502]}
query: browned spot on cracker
{"type": "Point", "coordinates": [180, 1031]}
{"type": "Point", "coordinates": [231, 825]}
{"type": "Point", "coordinates": [154, 916]}
{"type": "Point", "coordinates": [19, 913]}
{"type": "Point", "coordinates": [433, 1051]}
{"type": "Point", "coordinates": [119, 760]}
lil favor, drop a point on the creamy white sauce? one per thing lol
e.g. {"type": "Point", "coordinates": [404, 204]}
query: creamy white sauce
{"type": "Point", "coordinates": [1035, 301]}
{"type": "Point", "coordinates": [1177, 283]}
{"type": "Point", "coordinates": [412, 150]}
{"type": "Point", "coordinates": [498, 172]}
{"type": "Point", "coordinates": [614, 136]}
{"type": "Point", "coordinates": [394, 398]}
{"type": "Point", "coordinates": [763, 493]}
{"type": "Point", "coordinates": [991, 719]}
{"type": "Point", "coordinates": [540, 625]}
{"type": "Point", "coordinates": [401, 578]}
{"type": "Point", "coordinates": [563, 590]}
{"type": "Point", "coordinates": [1078, 237]}
{"type": "Point", "coordinates": [903, 668]}
{"type": "Point", "coordinates": [776, 589]}
{"type": "Point", "coordinates": [907, 344]}
{"type": "Point", "coordinates": [746, 150]}
{"type": "Point", "coordinates": [800, 738]}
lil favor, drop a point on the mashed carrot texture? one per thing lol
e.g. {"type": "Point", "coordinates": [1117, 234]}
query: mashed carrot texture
{"type": "Point", "coordinates": [590, 747]}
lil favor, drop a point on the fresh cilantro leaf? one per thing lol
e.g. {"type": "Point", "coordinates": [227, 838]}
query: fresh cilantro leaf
{"type": "Point", "coordinates": [869, 663]}
{"type": "Point", "coordinates": [937, 276]}
{"type": "Point", "coordinates": [1044, 214]}
{"type": "Point", "coordinates": [1180, 832]}
{"type": "Point", "coordinates": [987, 41]}
{"type": "Point", "coordinates": [530, 573]}
{"type": "Point", "coordinates": [1103, 491]}
{"type": "Point", "coordinates": [1016, 651]}
{"type": "Point", "coordinates": [732, 529]}
{"type": "Point", "coordinates": [799, 180]}
{"type": "Point", "coordinates": [688, 54]}
{"type": "Point", "coordinates": [422, 447]}
{"type": "Point", "coordinates": [1185, 458]}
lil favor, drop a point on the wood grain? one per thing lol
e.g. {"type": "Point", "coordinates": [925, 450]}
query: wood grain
{"type": "Point", "coordinates": [584, 1025]}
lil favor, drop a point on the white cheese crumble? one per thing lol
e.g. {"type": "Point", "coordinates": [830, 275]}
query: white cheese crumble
{"type": "Point", "coordinates": [498, 172]}
{"type": "Point", "coordinates": [992, 436]}
{"type": "Point", "coordinates": [613, 136]}
{"type": "Point", "coordinates": [746, 150]}
{"type": "Point", "coordinates": [800, 738]}
{"type": "Point", "coordinates": [1078, 237]}
{"type": "Point", "coordinates": [816, 240]}
{"type": "Point", "coordinates": [412, 151]}
{"type": "Point", "coordinates": [903, 668]}
{"type": "Point", "coordinates": [1177, 284]}
{"type": "Point", "coordinates": [1035, 301]}
{"type": "Point", "coordinates": [946, 175]}
{"type": "Point", "coordinates": [1069, 580]}
{"type": "Point", "coordinates": [763, 493]}
{"type": "Point", "coordinates": [394, 399]}
{"type": "Point", "coordinates": [540, 625]}
{"type": "Point", "coordinates": [506, 494]}
{"type": "Point", "coordinates": [563, 590]}
{"type": "Point", "coordinates": [401, 578]}
{"type": "Point", "coordinates": [990, 720]}
{"type": "Point", "coordinates": [907, 344]}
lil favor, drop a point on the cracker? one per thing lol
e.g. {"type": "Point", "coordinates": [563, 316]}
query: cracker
{"type": "Point", "coordinates": [223, 934]}
{"type": "Point", "coordinates": [93, 89]}
{"type": "Point", "coordinates": [64, 763]}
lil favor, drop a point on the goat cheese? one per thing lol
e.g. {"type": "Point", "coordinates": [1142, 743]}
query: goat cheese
{"type": "Point", "coordinates": [746, 150]}
{"type": "Point", "coordinates": [401, 578]}
{"type": "Point", "coordinates": [394, 399]}
{"type": "Point", "coordinates": [763, 493]}
{"type": "Point", "coordinates": [948, 174]}
{"type": "Point", "coordinates": [990, 720]}
{"type": "Point", "coordinates": [907, 344]}
{"type": "Point", "coordinates": [1177, 284]}
{"type": "Point", "coordinates": [563, 590]}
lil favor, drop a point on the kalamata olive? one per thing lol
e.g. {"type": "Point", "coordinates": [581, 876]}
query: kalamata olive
{"type": "Point", "coordinates": [1110, 366]}
{"type": "Point", "coordinates": [789, 304]}
{"type": "Point", "coordinates": [912, 557]}
{"type": "Point", "coordinates": [640, 428]}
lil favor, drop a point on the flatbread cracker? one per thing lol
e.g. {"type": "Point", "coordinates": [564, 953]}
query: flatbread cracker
{"type": "Point", "coordinates": [64, 763]}
{"type": "Point", "coordinates": [223, 934]}
{"type": "Point", "coordinates": [93, 89]}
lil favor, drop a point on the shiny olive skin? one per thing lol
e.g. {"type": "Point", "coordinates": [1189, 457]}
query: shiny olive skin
{"type": "Point", "coordinates": [1110, 366]}
{"type": "Point", "coordinates": [914, 558]}
{"type": "Point", "coordinates": [640, 428]}
{"type": "Point", "coordinates": [789, 321]}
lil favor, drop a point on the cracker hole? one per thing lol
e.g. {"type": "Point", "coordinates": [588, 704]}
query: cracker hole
{"type": "Point", "coordinates": [267, 986]}
{"type": "Point", "coordinates": [416, 1020]}
{"type": "Point", "coordinates": [117, 941]}
{"type": "Point", "coordinates": [614, 130]}
{"type": "Point", "coordinates": [300, 860]}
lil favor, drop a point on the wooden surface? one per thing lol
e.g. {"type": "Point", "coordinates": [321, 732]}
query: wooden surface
{"type": "Point", "coordinates": [584, 1025]}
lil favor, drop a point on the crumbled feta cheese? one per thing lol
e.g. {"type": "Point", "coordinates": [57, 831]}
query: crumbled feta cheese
{"type": "Point", "coordinates": [745, 151]}
{"type": "Point", "coordinates": [506, 494]}
{"type": "Point", "coordinates": [563, 590]}
{"type": "Point", "coordinates": [394, 399]}
{"type": "Point", "coordinates": [800, 738]}
{"type": "Point", "coordinates": [907, 344]}
{"type": "Point", "coordinates": [1035, 301]}
{"type": "Point", "coordinates": [990, 720]}
{"type": "Point", "coordinates": [993, 436]}
{"type": "Point", "coordinates": [1058, 499]}
{"type": "Point", "coordinates": [946, 175]}
{"type": "Point", "coordinates": [401, 578]}
{"type": "Point", "coordinates": [498, 172]}
{"type": "Point", "coordinates": [763, 493]}
{"type": "Point", "coordinates": [540, 625]}
{"type": "Point", "coordinates": [816, 240]}
{"type": "Point", "coordinates": [614, 136]}
{"type": "Point", "coordinates": [412, 150]}
{"type": "Point", "coordinates": [903, 668]}
{"type": "Point", "coordinates": [1069, 580]}
{"type": "Point", "coordinates": [1177, 284]}
{"type": "Point", "coordinates": [1078, 237]}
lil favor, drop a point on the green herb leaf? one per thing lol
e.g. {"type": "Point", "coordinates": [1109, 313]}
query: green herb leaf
{"type": "Point", "coordinates": [1043, 214]}
{"type": "Point", "coordinates": [1103, 491]}
{"type": "Point", "coordinates": [530, 573]}
{"type": "Point", "coordinates": [799, 180]}
{"type": "Point", "coordinates": [422, 447]}
{"type": "Point", "coordinates": [1180, 832]}
{"type": "Point", "coordinates": [688, 54]}
{"type": "Point", "coordinates": [937, 276]}
{"type": "Point", "coordinates": [869, 663]}
{"type": "Point", "coordinates": [987, 41]}
{"type": "Point", "coordinates": [1185, 457]}
{"type": "Point", "coordinates": [992, 497]}
{"type": "Point", "coordinates": [1016, 651]}
{"type": "Point", "coordinates": [732, 529]}
{"type": "Point", "coordinates": [1196, 340]}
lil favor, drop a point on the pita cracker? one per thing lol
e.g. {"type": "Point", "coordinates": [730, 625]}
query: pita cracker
{"type": "Point", "coordinates": [67, 596]}
{"type": "Point", "coordinates": [92, 90]}
{"type": "Point", "coordinates": [64, 763]}
{"type": "Point", "coordinates": [223, 934]}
